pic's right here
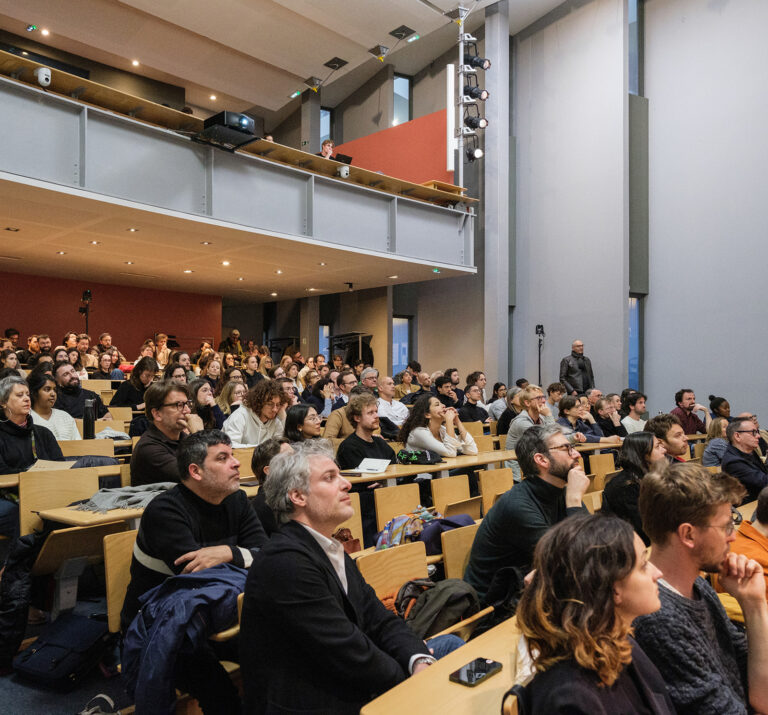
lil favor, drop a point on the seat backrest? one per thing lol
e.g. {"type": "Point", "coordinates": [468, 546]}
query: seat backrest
{"type": "Point", "coordinates": [244, 455]}
{"type": "Point", "coordinates": [388, 569]}
{"type": "Point", "coordinates": [106, 396]}
{"type": "Point", "coordinates": [457, 543]}
{"type": "Point", "coordinates": [448, 490]}
{"type": "Point", "coordinates": [100, 425]}
{"type": "Point", "coordinates": [118, 552]}
{"type": "Point", "coordinates": [472, 506]}
{"type": "Point", "coordinates": [747, 510]}
{"type": "Point", "coordinates": [474, 428]}
{"type": "Point", "coordinates": [77, 542]}
{"type": "Point", "coordinates": [494, 425]}
{"type": "Point", "coordinates": [484, 442]}
{"type": "Point", "coordinates": [393, 501]}
{"type": "Point", "coordinates": [493, 482]}
{"type": "Point", "coordinates": [698, 449]}
{"type": "Point", "coordinates": [49, 490]}
{"type": "Point", "coordinates": [396, 446]}
{"type": "Point", "coordinates": [96, 385]}
{"type": "Point", "coordinates": [601, 464]}
{"type": "Point", "coordinates": [593, 501]}
{"type": "Point", "coordinates": [125, 474]}
{"type": "Point", "coordinates": [80, 447]}
{"type": "Point", "coordinates": [355, 522]}
{"type": "Point", "coordinates": [124, 414]}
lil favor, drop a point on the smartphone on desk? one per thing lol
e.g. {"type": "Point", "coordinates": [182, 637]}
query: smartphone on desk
{"type": "Point", "coordinates": [475, 671]}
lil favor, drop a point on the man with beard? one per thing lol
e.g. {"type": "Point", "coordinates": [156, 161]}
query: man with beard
{"type": "Point", "coordinates": [71, 397]}
{"type": "Point", "coordinates": [708, 664]}
{"type": "Point", "coordinates": [553, 490]}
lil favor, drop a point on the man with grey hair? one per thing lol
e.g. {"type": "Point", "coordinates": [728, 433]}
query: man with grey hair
{"type": "Point", "coordinates": [306, 603]}
{"type": "Point", "coordinates": [369, 378]}
{"type": "Point", "coordinates": [553, 489]}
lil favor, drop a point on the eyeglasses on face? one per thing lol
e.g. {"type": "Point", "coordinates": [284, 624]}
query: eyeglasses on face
{"type": "Point", "coordinates": [178, 405]}
{"type": "Point", "coordinates": [567, 448]}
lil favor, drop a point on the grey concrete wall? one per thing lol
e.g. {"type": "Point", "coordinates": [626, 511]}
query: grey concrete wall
{"type": "Point", "coordinates": [570, 127]}
{"type": "Point", "coordinates": [708, 147]}
{"type": "Point", "coordinates": [248, 318]}
{"type": "Point", "coordinates": [369, 109]}
{"type": "Point", "coordinates": [288, 132]}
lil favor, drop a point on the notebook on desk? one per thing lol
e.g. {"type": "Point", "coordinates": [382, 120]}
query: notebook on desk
{"type": "Point", "coordinates": [373, 466]}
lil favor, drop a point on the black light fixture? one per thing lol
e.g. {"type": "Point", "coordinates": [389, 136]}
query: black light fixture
{"type": "Point", "coordinates": [475, 92]}
{"type": "Point", "coordinates": [474, 122]}
{"type": "Point", "coordinates": [379, 52]}
{"type": "Point", "coordinates": [472, 59]}
{"type": "Point", "coordinates": [335, 63]}
{"type": "Point", "coordinates": [402, 32]}
{"type": "Point", "coordinates": [473, 150]}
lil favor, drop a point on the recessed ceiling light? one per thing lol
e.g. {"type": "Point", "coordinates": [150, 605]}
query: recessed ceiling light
{"type": "Point", "coordinates": [392, 277]}
{"type": "Point", "coordinates": [205, 243]}
{"type": "Point", "coordinates": [213, 97]}
{"type": "Point", "coordinates": [311, 290]}
{"type": "Point", "coordinates": [187, 270]}
{"type": "Point", "coordinates": [132, 230]}
{"type": "Point", "coordinates": [225, 263]}
{"type": "Point", "coordinates": [129, 263]}
{"type": "Point", "coordinates": [241, 278]}
{"type": "Point", "coordinates": [322, 263]}
{"type": "Point", "coordinates": [135, 63]}
{"type": "Point", "coordinates": [44, 33]}
{"type": "Point", "coordinates": [95, 243]}
{"type": "Point", "coordinates": [279, 272]}
{"type": "Point", "coordinates": [274, 295]}
{"type": "Point", "coordinates": [25, 53]}
{"type": "Point", "coordinates": [61, 253]}
{"type": "Point", "coordinates": [12, 228]}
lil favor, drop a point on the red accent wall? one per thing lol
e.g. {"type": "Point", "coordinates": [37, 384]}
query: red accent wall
{"type": "Point", "coordinates": [33, 304]}
{"type": "Point", "coordinates": [414, 151]}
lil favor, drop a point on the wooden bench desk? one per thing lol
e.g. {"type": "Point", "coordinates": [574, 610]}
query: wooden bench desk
{"type": "Point", "coordinates": [397, 471]}
{"type": "Point", "coordinates": [430, 691]}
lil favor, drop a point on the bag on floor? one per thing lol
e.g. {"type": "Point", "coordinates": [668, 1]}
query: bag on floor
{"type": "Point", "coordinates": [66, 650]}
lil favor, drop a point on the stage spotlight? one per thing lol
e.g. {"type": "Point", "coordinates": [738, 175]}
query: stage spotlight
{"type": "Point", "coordinates": [476, 122]}
{"type": "Point", "coordinates": [476, 92]}
{"type": "Point", "coordinates": [475, 61]}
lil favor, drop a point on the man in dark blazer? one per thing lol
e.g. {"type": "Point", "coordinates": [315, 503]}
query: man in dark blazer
{"type": "Point", "coordinates": [314, 637]}
{"type": "Point", "coordinates": [576, 370]}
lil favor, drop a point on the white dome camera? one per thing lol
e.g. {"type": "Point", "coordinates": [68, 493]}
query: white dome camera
{"type": "Point", "coordinates": [43, 75]}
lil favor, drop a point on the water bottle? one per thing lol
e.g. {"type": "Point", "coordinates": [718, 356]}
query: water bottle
{"type": "Point", "coordinates": [89, 417]}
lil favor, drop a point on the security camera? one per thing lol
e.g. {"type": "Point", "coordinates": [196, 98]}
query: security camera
{"type": "Point", "coordinates": [343, 172]}
{"type": "Point", "coordinates": [43, 75]}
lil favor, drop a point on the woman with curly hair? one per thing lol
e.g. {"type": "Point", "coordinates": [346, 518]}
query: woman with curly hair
{"type": "Point", "coordinates": [257, 420]}
{"type": "Point", "coordinates": [592, 578]}
{"type": "Point", "coordinates": [433, 426]}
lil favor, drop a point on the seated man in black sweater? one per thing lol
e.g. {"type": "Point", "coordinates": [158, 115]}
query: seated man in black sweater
{"type": "Point", "coordinates": [552, 490]}
{"type": "Point", "coordinates": [154, 457]}
{"type": "Point", "coordinates": [363, 413]}
{"type": "Point", "coordinates": [71, 397]}
{"type": "Point", "coordinates": [740, 459]}
{"type": "Point", "coordinates": [203, 521]}
{"type": "Point", "coordinates": [472, 412]}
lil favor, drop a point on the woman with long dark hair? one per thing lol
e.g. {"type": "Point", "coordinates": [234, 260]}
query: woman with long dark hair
{"type": "Point", "coordinates": [204, 404]}
{"type": "Point", "coordinates": [131, 392]}
{"type": "Point", "coordinates": [301, 422]}
{"type": "Point", "coordinates": [591, 579]}
{"type": "Point", "coordinates": [42, 392]}
{"type": "Point", "coordinates": [638, 455]}
{"type": "Point", "coordinates": [432, 426]}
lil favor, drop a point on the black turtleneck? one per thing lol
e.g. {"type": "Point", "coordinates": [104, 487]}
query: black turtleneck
{"type": "Point", "coordinates": [17, 451]}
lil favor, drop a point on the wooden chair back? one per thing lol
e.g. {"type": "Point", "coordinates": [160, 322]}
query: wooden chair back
{"type": "Point", "coordinates": [474, 428]}
{"type": "Point", "coordinates": [123, 414]}
{"type": "Point", "coordinates": [610, 476]}
{"type": "Point", "coordinates": [396, 446]}
{"type": "Point", "coordinates": [494, 425]}
{"type": "Point", "coordinates": [484, 442]}
{"type": "Point", "coordinates": [457, 543]}
{"type": "Point", "coordinates": [355, 522]}
{"type": "Point", "coordinates": [698, 449]}
{"type": "Point", "coordinates": [449, 489]}
{"type": "Point", "coordinates": [76, 542]}
{"type": "Point", "coordinates": [106, 396]}
{"type": "Point", "coordinates": [747, 510]}
{"type": "Point", "coordinates": [393, 501]}
{"type": "Point", "coordinates": [388, 569]}
{"type": "Point", "coordinates": [244, 455]}
{"type": "Point", "coordinates": [118, 552]}
{"type": "Point", "coordinates": [714, 469]}
{"type": "Point", "coordinates": [81, 447]}
{"type": "Point", "coordinates": [125, 475]}
{"type": "Point", "coordinates": [100, 425]}
{"type": "Point", "coordinates": [48, 490]}
{"type": "Point", "coordinates": [593, 501]}
{"type": "Point", "coordinates": [97, 385]}
{"type": "Point", "coordinates": [493, 482]}
{"type": "Point", "coordinates": [472, 506]}
{"type": "Point", "coordinates": [601, 464]}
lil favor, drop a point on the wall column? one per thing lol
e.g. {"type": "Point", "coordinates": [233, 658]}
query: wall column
{"type": "Point", "coordinates": [496, 199]}
{"type": "Point", "coordinates": [310, 121]}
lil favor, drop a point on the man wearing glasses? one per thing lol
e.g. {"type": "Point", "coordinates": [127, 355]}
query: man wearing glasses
{"type": "Point", "coordinates": [168, 410]}
{"type": "Point", "coordinates": [709, 665]}
{"type": "Point", "coordinates": [552, 490]}
{"type": "Point", "coordinates": [740, 458]}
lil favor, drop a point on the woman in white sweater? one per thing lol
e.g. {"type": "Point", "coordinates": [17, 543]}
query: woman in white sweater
{"type": "Point", "coordinates": [42, 391]}
{"type": "Point", "coordinates": [437, 428]}
{"type": "Point", "coordinates": [257, 420]}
